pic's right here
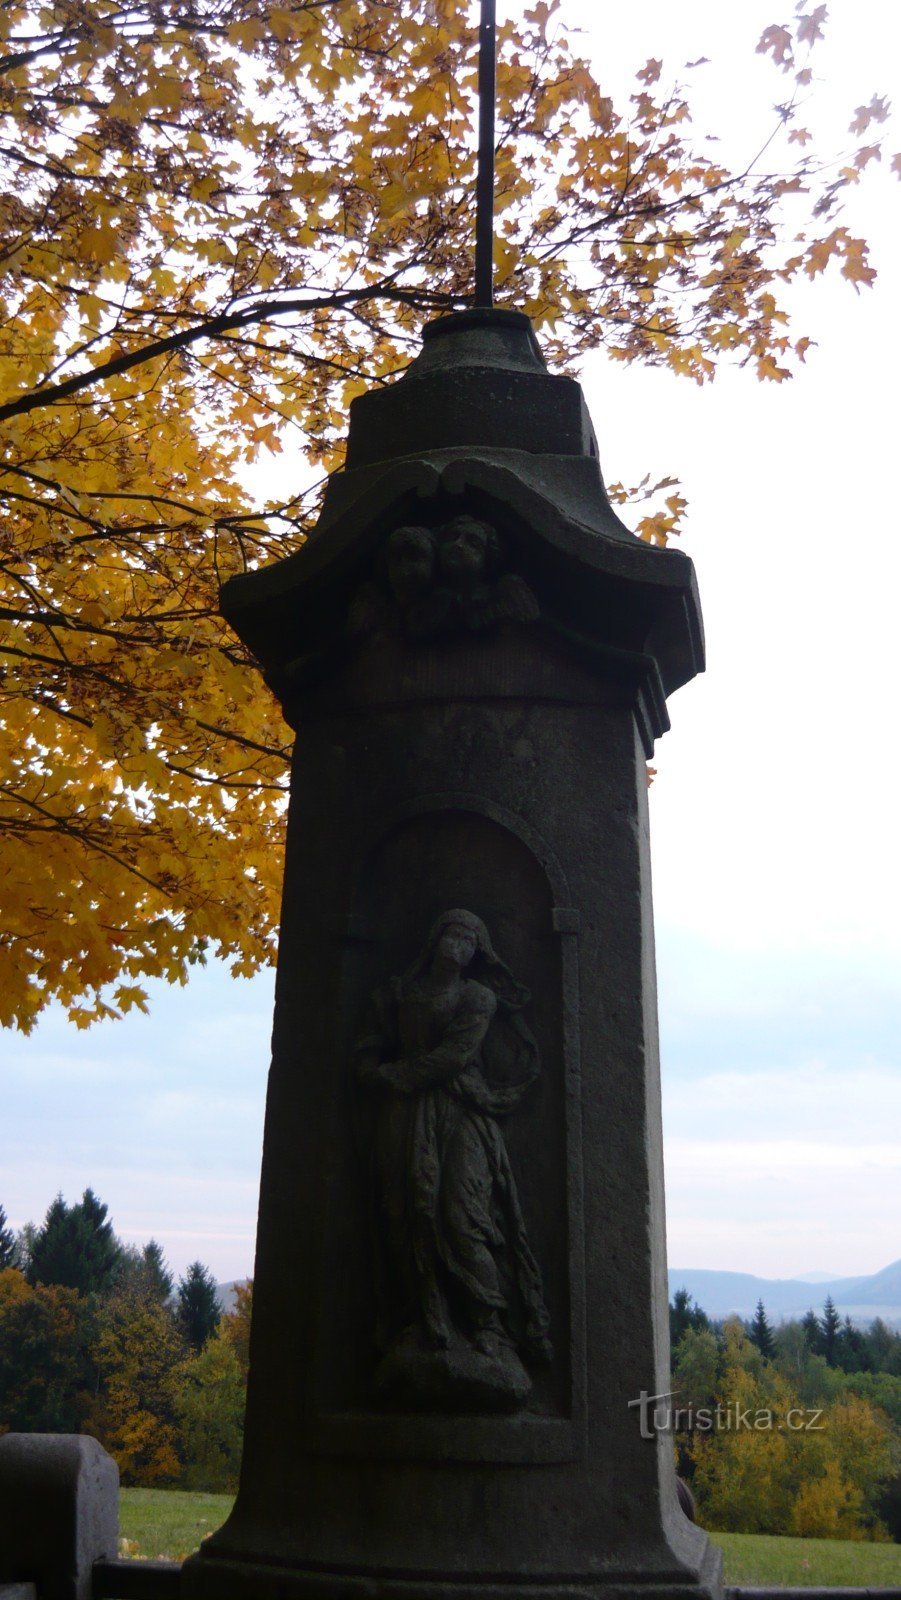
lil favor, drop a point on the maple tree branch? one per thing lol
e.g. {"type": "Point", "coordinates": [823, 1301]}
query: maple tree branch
{"type": "Point", "coordinates": [149, 497]}
{"type": "Point", "coordinates": [210, 328]}
{"type": "Point", "coordinates": [58, 824]}
{"type": "Point", "coordinates": [43, 701]}
{"type": "Point", "coordinates": [21, 58]}
{"type": "Point", "coordinates": [227, 780]}
{"type": "Point", "coordinates": [281, 753]}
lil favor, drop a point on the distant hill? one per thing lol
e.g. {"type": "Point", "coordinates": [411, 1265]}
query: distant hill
{"type": "Point", "coordinates": [722, 1294]}
{"type": "Point", "coordinates": [225, 1293]}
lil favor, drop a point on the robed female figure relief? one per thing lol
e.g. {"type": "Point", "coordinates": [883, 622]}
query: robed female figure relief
{"type": "Point", "coordinates": [445, 1055]}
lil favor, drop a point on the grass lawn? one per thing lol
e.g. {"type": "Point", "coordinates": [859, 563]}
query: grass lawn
{"type": "Point", "coordinates": [167, 1524]}
{"type": "Point", "coordinates": [170, 1523]}
{"type": "Point", "coordinates": [762, 1561]}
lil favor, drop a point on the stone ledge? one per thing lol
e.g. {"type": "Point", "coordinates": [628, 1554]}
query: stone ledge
{"type": "Point", "coordinates": [161, 1580]}
{"type": "Point", "coordinates": [134, 1580]}
{"type": "Point", "coordinates": [812, 1594]}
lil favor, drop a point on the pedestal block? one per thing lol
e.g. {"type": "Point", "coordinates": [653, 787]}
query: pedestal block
{"type": "Point", "coordinates": [460, 1285]}
{"type": "Point", "coordinates": [59, 1513]}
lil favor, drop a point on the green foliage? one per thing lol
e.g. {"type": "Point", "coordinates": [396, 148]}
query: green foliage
{"type": "Point", "coordinates": [211, 1412]}
{"type": "Point", "coordinates": [808, 1375]}
{"type": "Point", "coordinates": [91, 1341]}
{"type": "Point", "coordinates": [813, 1332]}
{"type": "Point", "coordinates": [791, 1350]}
{"type": "Point", "coordinates": [842, 1344]}
{"type": "Point", "coordinates": [782, 1460]}
{"type": "Point", "coordinates": [9, 1248]}
{"type": "Point", "coordinates": [695, 1369]}
{"type": "Point", "coordinates": [838, 1478]}
{"type": "Point", "coordinates": [881, 1389]}
{"type": "Point", "coordinates": [236, 1324]}
{"type": "Point", "coordinates": [76, 1246]}
{"type": "Point", "coordinates": [830, 1327]}
{"type": "Point", "coordinates": [140, 1361]}
{"type": "Point", "coordinates": [883, 1348]}
{"type": "Point", "coordinates": [159, 1279]}
{"type": "Point", "coordinates": [851, 1348]}
{"type": "Point", "coordinates": [682, 1316]}
{"type": "Point", "coordinates": [25, 1245]}
{"type": "Point", "coordinates": [43, 1358]}
{"type": "Point", "coordinates": [888, 1506]}
{"type": "Point", "coordinates": [197, 1311]}
{"type": "Point", "coordinates": [761, 1334]}
{"type": "Point", "coordinates": [144, 1272]}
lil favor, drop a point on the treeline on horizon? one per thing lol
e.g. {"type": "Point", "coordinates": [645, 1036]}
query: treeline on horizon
{"type": "Point", "coordinates": [794, 1429]}
{"type": "Point", "coordinates": [97, 1337]}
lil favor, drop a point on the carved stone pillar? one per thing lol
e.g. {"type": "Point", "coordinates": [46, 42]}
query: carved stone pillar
{"type": "Point", "coordinates": [460, 1282]}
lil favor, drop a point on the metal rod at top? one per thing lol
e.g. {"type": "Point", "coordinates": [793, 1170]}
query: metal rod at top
{"type": "Point", "coordinates": [485, 176]}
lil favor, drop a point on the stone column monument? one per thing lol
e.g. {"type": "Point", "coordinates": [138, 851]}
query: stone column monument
{"type": "Point", "coordinates": [460, 1282]}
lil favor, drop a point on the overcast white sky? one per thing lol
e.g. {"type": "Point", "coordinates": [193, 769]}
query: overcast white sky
{"type": "Point", "coordinates": [775, 812]}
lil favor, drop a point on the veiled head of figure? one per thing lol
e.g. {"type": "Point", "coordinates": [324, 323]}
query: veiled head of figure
{"type": "Point", "coordinates": [459, 936]}
{"type": "Point", "coordinates": [457, 944]}
{"type": "Point", "coordinates": [468, 946]}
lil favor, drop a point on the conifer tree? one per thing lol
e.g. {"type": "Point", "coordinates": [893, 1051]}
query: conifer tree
{"type": "Point", "coordinates": [50, 1245]}
{"type": "Point", "coordinates": [160, 1281]}
{"type": "Point", "coordinates": [761, 1334]}
{"type": "Point", "coordinates": [683, 1315]}
{"type": "Point", "coordinates": [76, 1246]}
{"type": "Point", "coordinates": [25, 1245]}
{"type": "Point", "coordinates": [9, 1250]}
{"type": "Point", "coordinates": [830, 1325]}
{"type": "Point", "coordinates": [197, 1311]}
{"type": "Point", "coordinates": [883, 1348]}
{"type": "Point", "coordinates": [813, 1333]}
{"type": "Point", "coordinates": [142, 1274]}
{"type": "Point", "coordinates": [850, 1348]}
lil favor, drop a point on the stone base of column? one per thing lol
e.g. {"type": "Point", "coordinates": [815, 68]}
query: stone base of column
{"type": "Point", "coordinates": [221, 1579]}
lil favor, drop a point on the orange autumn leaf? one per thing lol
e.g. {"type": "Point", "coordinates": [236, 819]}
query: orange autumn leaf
{"type": "Point", "coordinates": [217, 225]}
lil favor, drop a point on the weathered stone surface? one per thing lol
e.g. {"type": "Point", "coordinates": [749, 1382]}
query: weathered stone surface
{"type": "Point", "coordinates": [613, 596]}
{"type": "Point", "coordinates": [420, 1421]}
{"type": "Point", "coordinates": [59, 1512]}
{"type": "Point", "coordinates": [458, 1379]}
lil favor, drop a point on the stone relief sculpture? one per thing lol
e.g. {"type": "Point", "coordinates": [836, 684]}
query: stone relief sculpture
{"type": "Point", "coordinates": [442, 581]}
{"type": "Point", "coordinates": [444, 1055]}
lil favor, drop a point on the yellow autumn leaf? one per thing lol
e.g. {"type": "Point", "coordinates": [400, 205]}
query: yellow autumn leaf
{"type": "Point", "coordinates": [207, 250]}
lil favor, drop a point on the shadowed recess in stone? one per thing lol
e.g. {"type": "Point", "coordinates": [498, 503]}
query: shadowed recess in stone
{"type": "Point", "coordinates": [445, 1055]}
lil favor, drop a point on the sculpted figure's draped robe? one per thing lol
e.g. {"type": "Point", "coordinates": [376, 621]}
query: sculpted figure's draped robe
{"type": "Point", "coordinates": [450, 1232]}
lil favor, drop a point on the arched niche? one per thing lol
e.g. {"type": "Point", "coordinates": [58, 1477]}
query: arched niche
{"type": "Point", "coordinates": [455, 850]}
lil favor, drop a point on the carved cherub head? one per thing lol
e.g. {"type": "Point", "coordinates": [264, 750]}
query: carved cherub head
{"type": "Point", "coordinates": [410, 562]}
{"type": "Point", "coordinates": [469, 552]}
